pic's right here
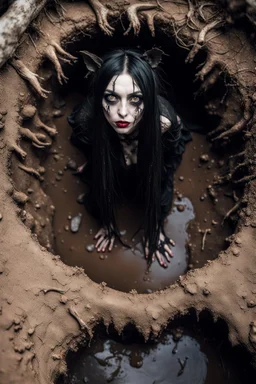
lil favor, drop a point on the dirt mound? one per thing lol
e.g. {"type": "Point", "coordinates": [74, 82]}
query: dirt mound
{"type": "Point", "coordinates": [47, 306]}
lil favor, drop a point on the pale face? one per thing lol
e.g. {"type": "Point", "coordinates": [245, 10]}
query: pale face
{"type": "Point", "coordinates": [123, 104]}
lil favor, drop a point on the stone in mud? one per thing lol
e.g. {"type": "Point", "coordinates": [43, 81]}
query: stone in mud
{"type": "Point", "coordinates": [251, 304]}
{"type": "Point", "coordinates": [31, 331]}
{"type": "Point", "coordinates": [20, 197]}
{"type": "Point", "coordinates": [2, 125]}
{"type": "Point", "coordinates": [71, 164]}
{"type": "Point", "coordinates": [1, 217]}
{"type": "Point", "coordinates": [57, 113]}
{"type": "Point", "coordinates": [80, 198]}
{"type": "Point", "coordinates": [180, 208]}
{"type": "Point", "coordinates": [90, 247]}
{"type": "Point", "coordinates": [63, 299]}
{"type": "Point", "coordinates": [235, 251]}
{"type": "Point", "coordinates": [204, 158]}
{"type": "Point", "coordinates": [28, 111]}
{"type": "Point", "coordinates": [75, 223]}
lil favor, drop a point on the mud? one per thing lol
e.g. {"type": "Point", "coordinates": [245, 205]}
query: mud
{"type": "Point", "coordinates": [181, 354]}
{"type": "Point", "coordinates": [47, 307]}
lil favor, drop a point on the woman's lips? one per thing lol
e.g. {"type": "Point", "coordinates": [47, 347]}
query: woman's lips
{"type": "Point", "coordinates": [122, 124]}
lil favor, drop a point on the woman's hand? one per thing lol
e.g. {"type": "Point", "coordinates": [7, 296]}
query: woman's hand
{"type": "Point", "coordinates": [163, 251]}
{"type": "Point", "coordinates": [105, 240]}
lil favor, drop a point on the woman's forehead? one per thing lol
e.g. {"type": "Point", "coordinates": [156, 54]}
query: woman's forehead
{"type": "Point", "coordinates": [123, 84]}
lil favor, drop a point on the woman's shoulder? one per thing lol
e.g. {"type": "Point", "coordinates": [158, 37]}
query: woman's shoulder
{"type": "Point", "coordinates": [168, 117]}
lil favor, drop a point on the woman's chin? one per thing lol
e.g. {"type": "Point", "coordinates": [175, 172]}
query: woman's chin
{"type": "Point", "coordinates": [124, 131]}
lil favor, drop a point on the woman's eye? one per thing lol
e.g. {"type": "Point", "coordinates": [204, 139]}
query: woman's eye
{"type": "Point", "coordinates": [110, 98]}
{"type": "Point", "coordinates": [135, 99]}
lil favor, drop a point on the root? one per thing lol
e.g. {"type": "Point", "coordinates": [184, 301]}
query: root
{"type": "Point", "coordinates": [201, 38]}
{"type": "Point", "coordinates": [190, 17]}
{"type": "Point", "coordinates": [201, 14]}
{"type": "Point", "coordinates": [150, 21]}
{"type": "Point", "coordinates": [102, 14]}
{"type": "Point", "coordinates": [31, 77]}
{"type": "Point", "coordinates": [45, 291]}
{"type": "Point", "coordinates": [132, 13]}
{"type": "Point", "coordinates": [236, 156]}
{"type": "Point", "coordinates": [231, 174]}
{"type": "Point", "coordinates": [207, 68]}
{"type": "Point", "coordinates": [238, 127]}
{"type": "Point", "coordinates": [39, 124]}
{"type": "Point", "coordinates": [205, 233]}
{"type": "Point", "coordinates": [31, 171]}
{"type": "Point", "coordinates": [14, 147]}
{"type": "Point", "coordinates": [232, 210]}
{"type": "Point", "coordinates": [14, 23]}
{"type": "Point", "coordinates": [245, 179]}
{"type": "Point", "coordinates": [74, 313]}
{"type": "Point", "coordinates": [37, 139]}
{"type": "Point", "coordinates": [51, 53]}
{"type": "Point", "coordinates": [209, 82]}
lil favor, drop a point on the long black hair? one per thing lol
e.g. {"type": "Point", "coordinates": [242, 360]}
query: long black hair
{"type": "Point", "coordinates": [149, 159]}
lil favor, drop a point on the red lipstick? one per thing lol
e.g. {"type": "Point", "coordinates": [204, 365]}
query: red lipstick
{"type": "Point", "coordinates": [122, 124]}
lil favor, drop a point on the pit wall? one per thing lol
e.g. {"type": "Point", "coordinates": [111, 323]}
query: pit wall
{"type": "Point", "coordinates": [47, 306]}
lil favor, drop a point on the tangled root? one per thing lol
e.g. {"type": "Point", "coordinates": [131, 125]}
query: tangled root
{"type": "Point", "coordinates": [16, 148]}
{"type": "Point", "coordinates": [37, 139]}
{"type": "Point", "coordinates": [132, 13]}
{"type": "Point", "coordinates": [201, 38]}
{"type": "Point", "coordinates": [39, 124]}
{"type": "Point", "coordinates": [31, 77]}
{"type": "Point", "coordinates": [52, 52]}
{"type": "Point", "coordinates": [31, 171]}
{"type": "Point", "coordinates": [238, 127]}
{"type": "Point", "coordinates": [102, 14]}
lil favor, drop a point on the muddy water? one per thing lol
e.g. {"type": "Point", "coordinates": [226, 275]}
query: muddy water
{"type": "Point", "coordinates": [126, 269]}
{"type": "Point", "coordinates": [180, 356]}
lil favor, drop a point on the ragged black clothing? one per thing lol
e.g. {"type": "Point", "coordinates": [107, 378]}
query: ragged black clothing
{"type": "Point", "coordinates": [173, 146]}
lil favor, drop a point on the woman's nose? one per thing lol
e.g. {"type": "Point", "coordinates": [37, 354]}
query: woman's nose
{"type": "Point", "coordinates": [122, 111]}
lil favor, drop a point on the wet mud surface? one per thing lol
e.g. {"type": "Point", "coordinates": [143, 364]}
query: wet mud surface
{"type": "Point", "coordinates": [181, 355]}
{"type": "Point", "coordinates": [194, 211]}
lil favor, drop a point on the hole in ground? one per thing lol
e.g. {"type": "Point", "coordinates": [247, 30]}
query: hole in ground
{"type": "Point", "coordinates": [124, 269]}
{"type": "Point", "coordinates": [187, 351]}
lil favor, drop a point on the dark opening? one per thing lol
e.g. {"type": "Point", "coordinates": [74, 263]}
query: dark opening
{"type": "Point", "coordinates": [188, 351]}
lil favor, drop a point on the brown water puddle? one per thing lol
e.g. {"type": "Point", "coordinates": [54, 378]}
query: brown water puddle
{"type": "Point", "coordinates": [180, 356]}
{"type": "Point", "coordinates": [126, 269]}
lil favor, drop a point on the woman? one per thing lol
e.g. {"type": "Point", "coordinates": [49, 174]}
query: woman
{"type": "Point", "coordinates": [133, 141]}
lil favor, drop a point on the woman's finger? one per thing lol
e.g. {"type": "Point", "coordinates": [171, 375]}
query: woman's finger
{"type": "Point", "coordinates": [99, 241]}
{"type": "Point", "coordinates": [172, 242]}
{"type": "Point", "coordinates": [111, 243]}
{"type": "Point", "coordinates": [101, 245]}
{"type": "Point", "coordinates": [168, 250]}
{"type": "Point", "coordinates": [100, 232]}
{"type": "Point", "coordinates": [160, 259]}
{"type": "Point", "coordinates": [105, 245]}
{"type": "Point", "coordinates": [167, 257]}
{"type": "Point", "coordinates": [146, 252]}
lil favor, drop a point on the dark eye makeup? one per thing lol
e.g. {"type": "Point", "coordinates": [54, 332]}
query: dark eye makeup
{"type": "Point", "coordinates": [112, 98]}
